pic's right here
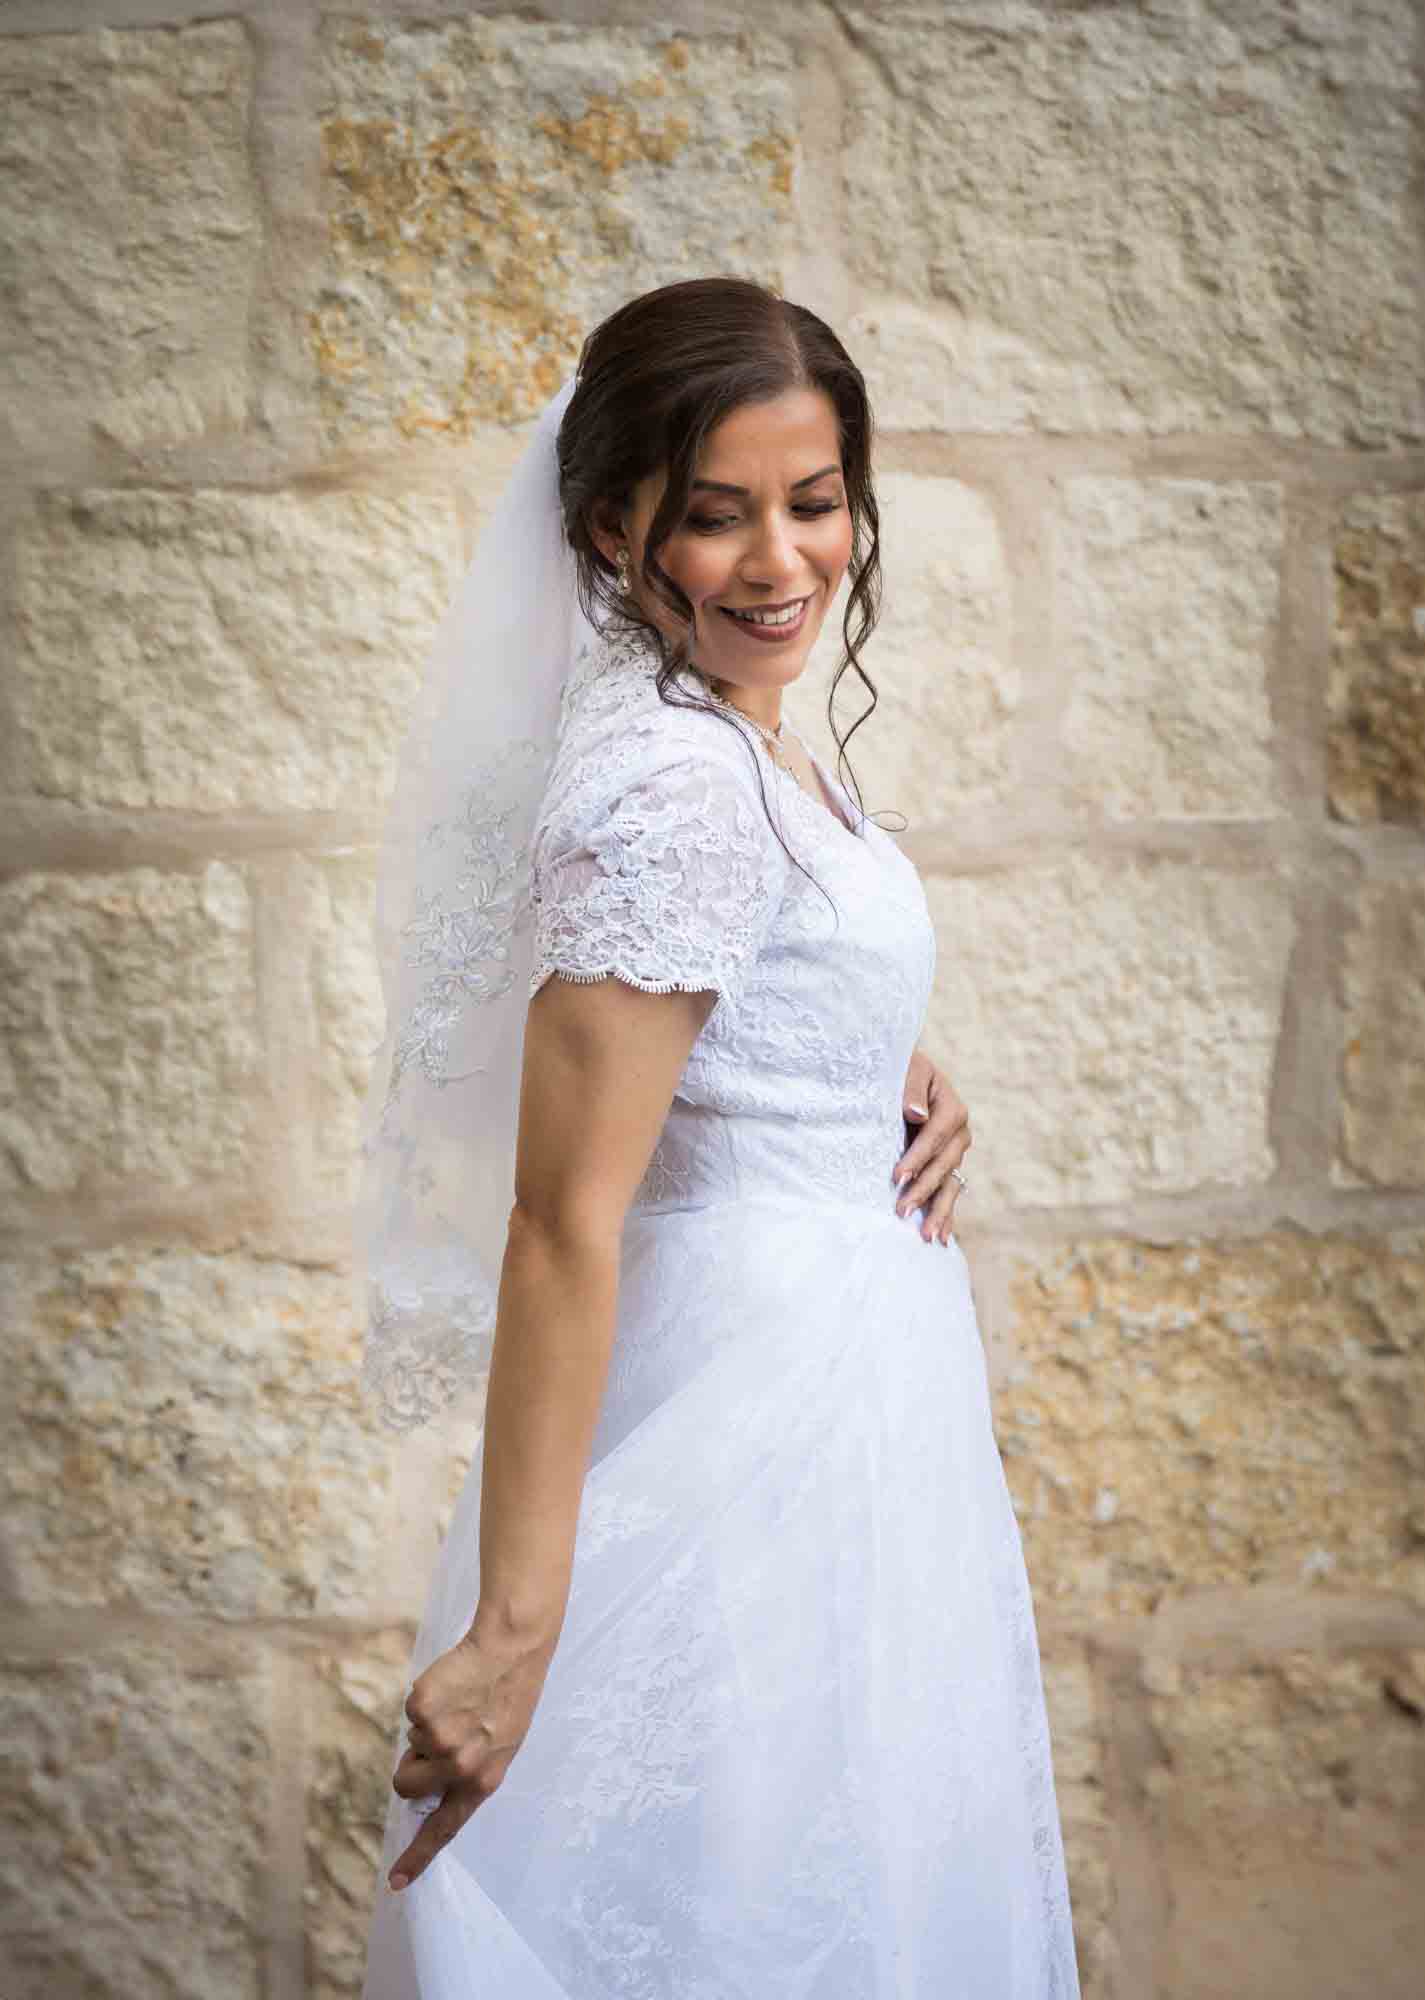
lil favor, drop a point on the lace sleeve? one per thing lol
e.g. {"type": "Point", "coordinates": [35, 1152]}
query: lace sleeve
{"type": "Point", "coordinates": [670, 887]}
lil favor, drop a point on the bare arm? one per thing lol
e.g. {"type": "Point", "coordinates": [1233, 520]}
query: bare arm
{"type": "Point", "coordinates": [602, 1060]}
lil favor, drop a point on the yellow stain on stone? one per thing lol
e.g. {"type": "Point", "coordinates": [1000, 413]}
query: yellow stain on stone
{"type": "Point", "coordinates": [775, 152]}
{"type": "Point", "coordinates": [1190, 1416]}
{"type": "Point", "coordinates": [611, 137]}
{"type": "Point", "coordinates": [485, 236]}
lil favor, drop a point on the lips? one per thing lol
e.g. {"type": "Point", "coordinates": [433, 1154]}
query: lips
{"type": "Point", "coordinates": [756, 629]}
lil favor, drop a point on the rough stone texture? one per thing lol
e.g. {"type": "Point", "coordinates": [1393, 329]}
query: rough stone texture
{"type": "Point", "coordinates": [1289, 1807]}
{"type": "Point", "coordinates": [1376, 744]}
{"type": "Point", "coordinates": [349, 1015]}
{"type": "Point", "coordinates": [210, 650]}
{"type": "Point", "coordinates": [1166, 593]}
{"type": "Point", "coordinates": [1230, 1413]}
{"type": "Point", "coordinates": [1383, 1072]}
{"type": "Point", "coordinates": [133, 1824]}
{"type": "Point", "coordinates": [1083, 1813]}
{"type": "Point", "coordinates": [494, 187]}
{"type": "Point", "coordinates": [129, 1059]}
{"type": "Point", "coordinates": [188, 1431]}
{"type": "Point", "coordinates": [1111, 1023]}
{"type": "Point", "coordinates": [940, 740]}
{"type": "Point", "coordinates": [129, 213]}
{"type": "Point", "coordinates": [1112, 218]}
{"type": "Point", "coordinates": [354, 1720]}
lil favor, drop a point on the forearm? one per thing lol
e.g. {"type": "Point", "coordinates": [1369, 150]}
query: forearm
{"type": "Point", "coordinates": [554, 1334]}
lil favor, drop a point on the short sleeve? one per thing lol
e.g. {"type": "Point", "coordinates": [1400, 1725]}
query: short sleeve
{"type": "Point", "coordinates": [671, 884]}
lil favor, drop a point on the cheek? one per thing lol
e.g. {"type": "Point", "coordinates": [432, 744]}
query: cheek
{"type": "Point", "coordinates": [838, 554]}
{"type": "Point", "coordinates": [698, 568]}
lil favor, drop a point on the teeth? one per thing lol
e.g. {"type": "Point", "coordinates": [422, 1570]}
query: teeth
{"type": "Point", "coordinates": [788, 617]}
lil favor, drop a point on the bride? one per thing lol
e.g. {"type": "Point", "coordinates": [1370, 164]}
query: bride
{"type": "Point", "coordinates": [728, 1686]}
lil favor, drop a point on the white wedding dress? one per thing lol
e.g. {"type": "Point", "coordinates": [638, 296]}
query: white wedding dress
{"type": "Point", "coordinates": [793, 1744]}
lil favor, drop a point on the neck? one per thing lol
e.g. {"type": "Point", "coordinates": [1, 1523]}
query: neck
{"type": "Point", "coordinates": [763, 705]}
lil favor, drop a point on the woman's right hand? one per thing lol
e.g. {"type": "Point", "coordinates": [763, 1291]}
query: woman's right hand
{"type": "Point", "coordinates": [469, 1713]}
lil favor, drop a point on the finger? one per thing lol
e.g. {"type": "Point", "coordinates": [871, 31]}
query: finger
{"type": "Point", "coordinates": [947, 1124]}
{"type": "Point", "coordinates": [436, 1831]}
{"type": "Point", "coordinates": [925, 1184]}
{"type": "Point", "coordinates": [418, 1777]}
{"type": "Point", "coordinates": [941, 1218]}
{"type": "Point", "coordinates": [919, 1178]}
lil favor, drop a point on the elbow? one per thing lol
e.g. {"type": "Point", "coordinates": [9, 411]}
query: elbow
{"type": "Point", "coordinates": [583, 1228]}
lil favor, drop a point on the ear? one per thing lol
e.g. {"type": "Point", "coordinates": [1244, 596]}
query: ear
{"type": "Point", "coordinates": [607, 530]}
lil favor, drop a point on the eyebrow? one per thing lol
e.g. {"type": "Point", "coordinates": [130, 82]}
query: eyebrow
{"type": "Point", "coordinates": [721, 486]}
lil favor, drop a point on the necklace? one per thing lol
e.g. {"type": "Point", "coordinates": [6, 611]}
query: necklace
{"type": "Point", "coordinates": [771, 737]}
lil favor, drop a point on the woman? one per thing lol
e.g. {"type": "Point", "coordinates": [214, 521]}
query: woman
{"type": "Point", "coordinates": [729, 1683]}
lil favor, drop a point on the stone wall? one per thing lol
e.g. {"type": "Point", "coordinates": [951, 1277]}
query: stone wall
{"type": "Point", "coordinates": [1138, 288]}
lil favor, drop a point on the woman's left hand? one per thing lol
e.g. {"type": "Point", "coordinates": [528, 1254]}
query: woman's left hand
{"type": "Point", "coordinates": [942, 1142]}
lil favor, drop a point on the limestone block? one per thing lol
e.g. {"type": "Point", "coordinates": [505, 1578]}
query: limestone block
{"type": "Point", "coordinates": [1111, 1023]}
{"type": "Point", "coordinates": [188, 1432]}
{"type": "Point", "coordinates": [1289, 1814]}
{"type": "Point", "coordinates": [494, 187]}
{"type": "Point", "coordinates": [327, 909]}
{"type": "Point", "coordinates": [1383, 1071]}
{"type": "Point", "coordinates": [1137, 220]}
{"type": "Point", "coordinates": [349, 1014]}
{"type": "Point", "coordinates": [939, 743]}
{"type": "Point", "coordinates": [353, 1726]}
{"type": "Point", "coordinates": [1376, 741]}
{"type": "Point", "coordinates": [212, 651]}
{"type": "Point", "coordinates": [130, 215]}
{"type": "Point", "coordinates": [134, 1823]}
{"type": "Point", "coordinates": [129, 1055]}
{"type": "Point", "coordinates": [1184, 1416]}
{"type": "Point", "coordinates": [1166, 594]}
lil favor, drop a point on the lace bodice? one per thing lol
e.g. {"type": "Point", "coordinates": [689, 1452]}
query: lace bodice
{"type": "Point", "coordinates": [655, 860]}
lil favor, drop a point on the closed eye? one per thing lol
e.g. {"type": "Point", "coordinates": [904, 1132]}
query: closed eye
{"type": "Point", "coordinates": [707, 524]}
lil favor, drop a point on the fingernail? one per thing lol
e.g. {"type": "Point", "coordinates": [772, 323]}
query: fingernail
{"type": "Point", "coordinates": [399, 1881]}
{"type": "Point", "coordinates": [923, 1109]}
{"type": "Point", "coordinates": [900, 1174]}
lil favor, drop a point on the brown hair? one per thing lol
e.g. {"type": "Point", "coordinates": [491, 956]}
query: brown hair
{"type": "Point", "coordinates": [654, 379]}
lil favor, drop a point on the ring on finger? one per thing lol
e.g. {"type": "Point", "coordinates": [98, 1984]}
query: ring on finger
{"type": "Point", "coordinates": [956, 1175]}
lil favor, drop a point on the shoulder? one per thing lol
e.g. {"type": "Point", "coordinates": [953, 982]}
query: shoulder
{"type": "Point", "coordinates": [629, 753]}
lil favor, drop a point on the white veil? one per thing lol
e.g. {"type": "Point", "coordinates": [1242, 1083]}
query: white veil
{"type": "Point", "coordinates": [455, 942]}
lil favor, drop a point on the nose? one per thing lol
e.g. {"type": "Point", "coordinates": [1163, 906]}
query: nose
{"type": "Point", "coordinates": [772, 556]}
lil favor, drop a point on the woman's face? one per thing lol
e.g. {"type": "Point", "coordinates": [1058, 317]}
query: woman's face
{"type": "Point", "coordinates": [767, 530]}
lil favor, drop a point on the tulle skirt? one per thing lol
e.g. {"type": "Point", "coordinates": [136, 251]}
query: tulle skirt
{"type": "Point", "coordinates": [793, 1743]}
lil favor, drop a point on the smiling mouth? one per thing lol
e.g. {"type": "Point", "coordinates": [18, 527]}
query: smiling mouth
{"type": "Point", "coordinates": [765, 617]}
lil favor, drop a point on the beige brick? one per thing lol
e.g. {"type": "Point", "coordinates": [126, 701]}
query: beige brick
{"type": "Point", "coordinates": [129, 1058]}
{"type": "Point", "coordinates": [1288, 1809]}
{"type": "Point", "coordinates": [130, 216]}
{"type": "Point", "coordinates": [187, 1432]}
{"type": "Point", "coordinates": [940, 742]}
{"type": "Point", "coordinates": [1111, 1023]}
{"type": "Point", "coordinates": [348, 1013]}
{"type": "Point", "coordinates": [1139, 220]}
{"type": "Point", "coordinates": [134, 1823]}
{"type": "Point", "coordinates": [1376, 743]}
{"type": "Point", "coordinates": [1383, 1072]}
{"type": "Point", "coordinates": [354, 1720]}
{"type": "Point", "coordinates": [494, 187]}
{"type": "Point", "coordinates": [212, 651]}
{"type": "Point", "coordinates": [1167, 601]}
{"type": "Point", "coordinates": [1211, 1414]}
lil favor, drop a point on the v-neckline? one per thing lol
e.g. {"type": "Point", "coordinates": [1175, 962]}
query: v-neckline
{"type": "Point", "coordinates": [824, 805]}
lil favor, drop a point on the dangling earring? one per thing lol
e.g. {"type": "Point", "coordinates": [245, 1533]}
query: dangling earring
{"type": "Point", "coordinates": [625, 581]}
